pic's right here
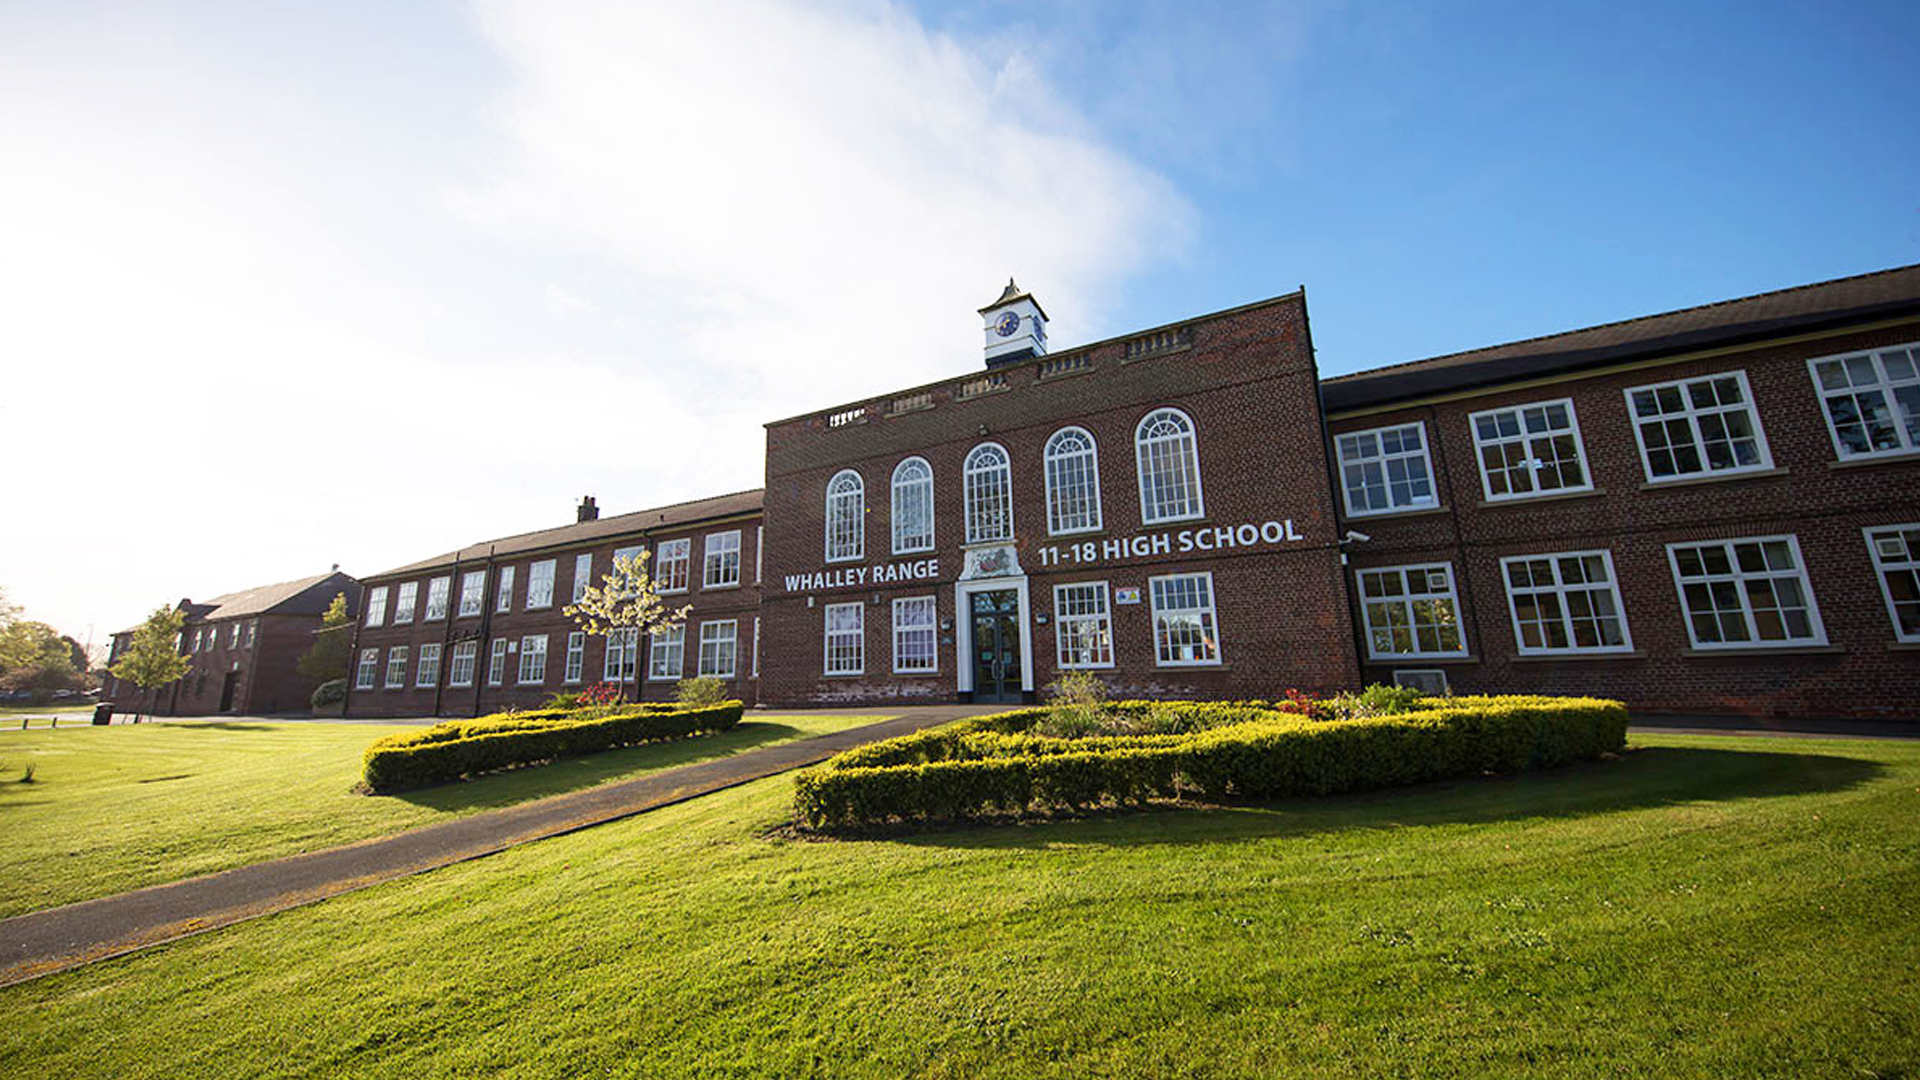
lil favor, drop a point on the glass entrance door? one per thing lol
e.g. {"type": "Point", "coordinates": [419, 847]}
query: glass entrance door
{"type": "Point", "coordinates": [996, 645]}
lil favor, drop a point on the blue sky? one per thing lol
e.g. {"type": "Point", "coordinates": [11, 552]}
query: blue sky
{"type": "Point", "coordinates": [358, 283]}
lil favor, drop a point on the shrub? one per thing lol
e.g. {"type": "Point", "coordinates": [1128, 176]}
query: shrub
{"type": "Point", "coordinates": [1247, 749]}
{"type": "Point", "coordinates": [1376, 700]}
{"type": "Point", "coordinates": [331, 692]}
{"type": "Point", "coordinates": [565, 699]}
{"type": "Point", "coordinates": [457, 748]}
{"type": "Point", "coordinates": [705, 690]}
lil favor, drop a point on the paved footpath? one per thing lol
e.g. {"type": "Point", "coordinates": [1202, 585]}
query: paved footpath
{"type": "Point", "coordinates": [42, 942]}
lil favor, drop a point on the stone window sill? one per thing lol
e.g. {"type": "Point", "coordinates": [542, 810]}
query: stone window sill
{"type": "Point", "coordinates": [1905, 457]}
{"type": "Point", "coordinates": [1578, 657]}
{"type": "Point", "coordinates": [1555, 496]}
{"type": "Point", "coordinates": [1716, 478]}
{"type": "Point", "coordinates": [1763, 651]}
{"type": "Point", "coordinates": [1419, 661]}
{"type": "Point", "coordinates": [1384, 515]}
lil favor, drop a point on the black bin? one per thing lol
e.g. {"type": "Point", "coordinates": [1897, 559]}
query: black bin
{"type": "Point", "coordinates": [103, 713]}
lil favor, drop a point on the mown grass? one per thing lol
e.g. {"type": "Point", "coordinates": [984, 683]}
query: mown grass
{"type": "Point", "coordinates": [121, 807]}
{"type": "Point", "coordinates": [1704, 907]}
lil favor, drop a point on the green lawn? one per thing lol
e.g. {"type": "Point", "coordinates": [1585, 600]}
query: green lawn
{"type": "Point", "coordinates": [1703, 907]}
{"type": "Point", "coordinates": [117, 808]}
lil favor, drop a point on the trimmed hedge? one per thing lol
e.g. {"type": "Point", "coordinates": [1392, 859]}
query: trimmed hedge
{"type": "Point", "coordinates": [457, 748]}
{"type": "Point", "coordinates": [989, 764]}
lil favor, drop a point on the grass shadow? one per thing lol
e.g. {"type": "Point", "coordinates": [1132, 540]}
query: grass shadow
{"type": "Point", "coordinates": [564, 775]}
{"type": "Point", "coordinates": [1643, 778]}
{"type": "Point", "coordinates": [214, 725]}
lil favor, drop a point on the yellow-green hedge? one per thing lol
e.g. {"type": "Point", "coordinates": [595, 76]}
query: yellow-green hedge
{"type": "Point", "coordinates": [989, 764]}
{"type": "Point", "coordinates": [456, 748]}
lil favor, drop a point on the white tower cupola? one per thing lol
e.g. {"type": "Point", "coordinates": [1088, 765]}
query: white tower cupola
{"type": "Point", "coordinates": [1016, 327]}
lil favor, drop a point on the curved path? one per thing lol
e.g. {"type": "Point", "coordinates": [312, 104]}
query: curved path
{"type": "Point", "coordinates": [42, 942]}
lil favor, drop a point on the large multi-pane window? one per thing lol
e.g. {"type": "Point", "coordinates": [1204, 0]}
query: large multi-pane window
{"type": "Point", "coordinates": [1168, 458]}
{"type": "Point", "coordinates": [1183, 627]}
{"type": "Point", "coordinates": [504, 600]}
{"type": "Point", "coordinates": [623, 653]}
{"type": "Point", "coordinates": [1896, 559]}
{"type": "Point", "coordinates": [720, 559]}
{"type": "Point", "coordinates": [1073, 482]}
{"type": "Point", "coordinates": [912, 506]}
{"type": "Point", "coordinates": [1698, 427]}
{"type": "Point", "coordinates": [668, 657]}
{"type": "Point", "coordinates": [404, 601]}
{"type": "Point", "coordinates": [582, 574]}
{"type": "Point", "coordinates": [670, 558]}
{"type": "Point", "coordinates": [846, 517]}
{"type": "Point", "coordinates": [1411, 611]}
{"type": "Point", "coordinates": [540, 584]}
{"type": "Point", "coordinates": [629, 553]}
{"type": "Point", "coordinates": [756, 646]}
{"type": "Point", "coordinates": [1565, 603]}
{"type": "Point", "coordinates": [473, 592]}
{"type": "Point", "coordinates": [987, 490]}
{"type": "Point", "coordinates": [1530, 450]}
{"type": "Point", "coordinates": [1746, 593]}
{"type": "Point", "coordinates": [719, 647]}
{"type": "Point", "coordinates": [497, 663]}
{"type": "Point", "coordinates": [576, 657]}
{"type": "Point", "coordinates": [1386, 469]}
{"type": "Point", "coordinates": [1083, 625]}
{"type": "Point", "coordinates": [460, 671]}
{"type": "Point", "coordinates": [533, 659]}
{"type": "Point", "coordinates": [1872, 400]}
{"type": "Point", "coordinates": [846, 639]}
{"type": "Point", "coordinates": [397, 667]}
{"type": "Point", "coordinates": [427, 672]}
{"type": "Point", "coordinates": [369, 667]}
{"type": "Point", "coordinates": [915, 636]}
{"type": "Point", "coordinates": [437, 598]}
{"type": "Point", "coordinates": [377, 605]}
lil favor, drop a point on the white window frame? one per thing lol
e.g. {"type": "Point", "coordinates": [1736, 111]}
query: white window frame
{"type": "Point", "coordinates": [405, 599]}
{"type": "Point", "coordinates": [1209, 615]}
{"type": "Point", "coordinates": [858, 634]}
{"type": "Point", "coordinates": [759, 550]}
{"type": "Point", "coordinates": [1885, 382]}
{"type": "Point", "coordinates": [503, 599]}
{"type": "Point", "coordinates": [1382, 460]}
{"type": "Point", "coordinates": [396, 668]}
{"type": "Point", "coordinates": [917, 487]}
{"type": "Point", "coordinates": [1102, 621]}
{"type": "Point", "coordinates": [1526, 440]}
{"type": "Point", "coordinates": [532, 645]}
{"type": "Point", "coordinates": [438, 590]}
{"type": "Point", "coordinates": [846, 514]}
{"type": "Point", "coordinates": [930, 628]}
{"type": "Point", "coordinates": [368, 672]}
{"type": "Point", "coordinates": [376, 606]}
{"type": "Point", "coordinates": [756, 646]}
{"type": "Point", "coordinates": [473, 593]}
{"type": "Point", "coordinates": [975, 482]}
{"type": "Point", "coordinates": [1560, 590]}
{"type": "Point", "coordinates": [233, 635]}
{"type": "Point", "coordinates": [1406, 599]}
{"type": "Point", "coordinates": [540, 577]}
{"type": "Point", "coordinates": [659, 646]}
{"type": "Point", "coordinates": [1060, 467]}
{"type": "Point", "coordinates": [582, 574]}
{"type": "Point", "coordinates": [497, 662]}
{"type": "Point", "coordinates": [426, 670]}
{"type": "Point", "coordinates": [622, 660]}
{"type": "Point", "coordinates": [711, 637]}
{"type": "Point", "coordinates": [466, 657]}
{"type": "Point", "coordinates": [1186, 445]}
{"type": "Point", "coordinates": [667, 567]}
{"type": "Point", "coordinates": [576, 666]}
{"type": "Point", "coordinates": [714, 549]}
{"type": "Point", "coordinates": [1692, 416]}
{"type": "Point", "coordinates": [1883, 566]}
{"type": "Point", "coordinates": [1739, 578]}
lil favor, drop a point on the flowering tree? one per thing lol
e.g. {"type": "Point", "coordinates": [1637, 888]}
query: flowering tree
{"type": "Point", "coordinates": [624, 603]}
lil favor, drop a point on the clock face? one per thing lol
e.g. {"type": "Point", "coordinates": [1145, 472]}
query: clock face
{"type": "Point", "coordinates": [1006, 324]}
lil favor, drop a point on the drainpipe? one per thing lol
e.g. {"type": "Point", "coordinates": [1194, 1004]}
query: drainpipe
{"type": "Point", "coordinates": [1347, 576]}
{"type": "Point", "coordinates": [484, 644]}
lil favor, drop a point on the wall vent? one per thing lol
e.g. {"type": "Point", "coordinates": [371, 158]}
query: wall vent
{"type": "Point", "coordinates": [1425, 680]}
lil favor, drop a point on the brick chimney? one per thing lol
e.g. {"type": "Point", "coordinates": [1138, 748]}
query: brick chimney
{"type": "Point", "coordinates": [588, 511]}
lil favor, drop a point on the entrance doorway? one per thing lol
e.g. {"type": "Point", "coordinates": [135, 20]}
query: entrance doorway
{"type": "Point", "coordinates": [226, 691]}
{"type": "Point", "coordinates": [996, 645]}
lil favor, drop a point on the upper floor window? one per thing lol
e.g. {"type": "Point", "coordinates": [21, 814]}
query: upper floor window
{"type": "Point", "coordinates": [1896, 558]}
{"type": "Point", "coordinates": [1565, 603]}
{"type": "Point", "coordinates": [1386, 469]}
{"type": "Point", "coordinates": [1529, 450]}
{"type": "Point", "coordinates": [988, 492]}
{"type": "Point", "coordinates": [437, 597]}
{"type": "Point", "coordinates": [473, 591]}
{"type": "Point", "coordinates": [1073, 482]}
{"type": "Point", "coordinates": [582, 574]}
{"type": "Point", "coordinates": [404, 601]}
{"type": "Point", "coordinates": [720, 559]}
{"type": "Point", "coordinates": [846, 517]}
{"type": "Point", "coordinates": [1698, 427]}
{"type": "Point", "coordinates": [540, 584]}
{"type": "Point", "coordinates": [1411, 611]}
{"type": "Point", "coordinates": [1872, 400]}
{"type": "Point", "coordinates": [670, 559]}
{"type": "Point", "coordinates": [504, 601]}
{"type": "Point", "coordinates": [912, 506]}
{"type": "Point", "coordinates": [377, 605]}
{"type": "Point", "coordinates": [1746, 593]}
{"type": "Point", "coordinates": [1169, 461]}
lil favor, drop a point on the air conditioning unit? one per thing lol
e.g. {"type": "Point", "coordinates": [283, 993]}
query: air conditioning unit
{"type": "Point", "coordinates": [1425, 680]}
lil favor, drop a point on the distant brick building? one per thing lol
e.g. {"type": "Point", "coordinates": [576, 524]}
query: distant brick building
{"type": "Point", "coordinates": [243, 648]}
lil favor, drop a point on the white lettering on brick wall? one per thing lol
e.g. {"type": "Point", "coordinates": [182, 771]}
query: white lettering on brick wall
{"type": "Point", "coordinates": [877, 574]}
{"type": "Point", "coordinates": [1141, 545]}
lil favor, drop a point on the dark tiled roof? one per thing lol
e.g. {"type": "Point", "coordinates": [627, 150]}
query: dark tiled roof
{"type": "Point", "coordinates": [304, 596]}
{"type": "Point", "coordinates": [654, 520]}
{"type": "Point", "coordinates": [1730, 322]}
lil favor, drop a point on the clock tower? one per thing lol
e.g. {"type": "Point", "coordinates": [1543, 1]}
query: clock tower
{"type": "Point", "coordinates": [1016, 327]}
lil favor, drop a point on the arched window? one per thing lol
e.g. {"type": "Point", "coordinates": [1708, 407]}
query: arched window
{"type": "Point", "coordinates": [989, 495]}
{"type": "Point", "coordinates": [1169, 467]}
{"type": "Point", "coordinates": [846, 517]}
{"type": "Point", "coordinates": [912, 506]}
{"type": "Point", "coordinates": [1073, 482]}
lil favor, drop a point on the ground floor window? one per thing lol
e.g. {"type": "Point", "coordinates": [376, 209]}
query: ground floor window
{"type": "Point", "coordinates": [369, 665]}
{"type": "Point", "coordinates": [1565, 603]}
{"type": "Point", "coordinates": [1746, 592]}
{"type": "Point", "coordinates": [719, 644]}
{"type": "Point", "coordinates": [1083, 625]}
{"type": "Point", "coordinates": [1183, 629]}
{"type": "Point", "coordinates": [533, 659]}
{"type": "Point", "coordinates": [668, 659]}
{"type": "Point", "coordinates": [427, 673]}
{"type": "Point", "coordinates": [623, 652]}
{"type": "Point", "coordinates": [497, 663]}
{"type": "Point", "coordinates": [1411, 611]}
{"type": "Point", "coordinates": [756, 646]}
{"type": "Point", "coordinates": [460, 672]}
{"type": "Point", "coordinates": [915, 636]}
{"type": "Point", "coordinates": [576, 656]}
{"type": "Point", "coordinates": [846, 639]}
{"type": "Point", "coordinates": [1896, 558]}
{"type": "Point", "coordinates": [397, 667]}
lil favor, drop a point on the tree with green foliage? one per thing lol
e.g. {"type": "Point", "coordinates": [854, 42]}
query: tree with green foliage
{"type": "Point", "coordinates": [625, 602]}
{"type": "Point", "coordinates": [332, 651]}
{"type": "Point", "coordinates": [35, 656]}
{"type": "Point", "coordinates": [153, 656]}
